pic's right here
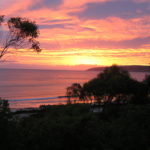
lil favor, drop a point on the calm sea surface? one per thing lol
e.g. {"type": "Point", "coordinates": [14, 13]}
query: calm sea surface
{"type": "Point", "coordinates": [17, 84]}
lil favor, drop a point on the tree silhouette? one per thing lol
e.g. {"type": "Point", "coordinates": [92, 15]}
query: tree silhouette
{"type": "Point", "coordinates": [16, 33]}
{"type": "Point", "coordinates": [4, 110]}
{"type": "Point", "coordinates": [20, 33]}
{"type": "Point", "coordinates": [114, 84]}
{"type": "Point", "coordinates": [75, 92]}
{"type": "Point", "coordinates": [147, 82]}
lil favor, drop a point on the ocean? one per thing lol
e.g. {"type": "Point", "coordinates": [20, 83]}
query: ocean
{"type": "Point", "coordinates": [24, 88]}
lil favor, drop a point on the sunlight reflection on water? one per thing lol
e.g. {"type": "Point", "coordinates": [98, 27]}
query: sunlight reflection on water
{"type": "Point", "coordinates": [23, 84]}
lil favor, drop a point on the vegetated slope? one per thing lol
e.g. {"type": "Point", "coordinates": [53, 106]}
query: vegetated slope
{"type": "Point", "coordinates": [133, 68]}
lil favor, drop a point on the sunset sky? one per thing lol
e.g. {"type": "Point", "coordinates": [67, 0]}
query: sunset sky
{"type": "Point", "coordinates": [79, 34]}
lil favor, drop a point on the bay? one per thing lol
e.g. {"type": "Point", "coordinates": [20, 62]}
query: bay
{"type": "Point", "coordinates": [31, 84]}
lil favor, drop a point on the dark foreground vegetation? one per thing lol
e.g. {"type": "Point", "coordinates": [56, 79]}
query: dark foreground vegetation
{"type": "Point", "coordinates": [122, 124]}
{"type": "Point", "coordinates": [113, 85]}
{"type": "Point", "coordinates": [75, 127]}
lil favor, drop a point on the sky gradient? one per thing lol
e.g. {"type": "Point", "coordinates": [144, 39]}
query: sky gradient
{"type": "Point", "coordinates": [83, 34]}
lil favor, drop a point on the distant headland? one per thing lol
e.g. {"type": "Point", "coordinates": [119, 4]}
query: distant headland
{"type": "Point", "coordinates": [132, 68]}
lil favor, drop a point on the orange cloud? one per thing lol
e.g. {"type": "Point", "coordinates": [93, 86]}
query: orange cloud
{"type": "Point", "coordinates": [73, 3]}
{"type": "Point", "coordinates": [110, 30]}
{"type": "Point", "coordinates": [84, 56]}
{"type": "Point", "coordinates": [118, 29]}
{"type": "Point", "coordinates": [70, 40]}
{"type": "Point", "coordinates": [11, 7]}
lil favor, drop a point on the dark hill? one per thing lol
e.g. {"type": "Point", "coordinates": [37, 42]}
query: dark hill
{"type": "Point", "coordinates": [133, 68]}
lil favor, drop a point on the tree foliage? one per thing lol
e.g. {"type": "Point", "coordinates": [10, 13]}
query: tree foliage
{"type": "Point", "coordinates": [20, 33]}
{"type": "Point", "coordinates": [74, 127]}
{"type": "Point", "coordinates": [147, 82]}
{"type": "Point", "coordinates": [74, 91]}
{"type": "Point", "coordinates": [115, 84]}
{"type": "Point", "coordinates": [4, 108]}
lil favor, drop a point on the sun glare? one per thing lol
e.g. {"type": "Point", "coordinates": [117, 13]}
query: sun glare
{"type": "Point", "coordinates": [86, 60]}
